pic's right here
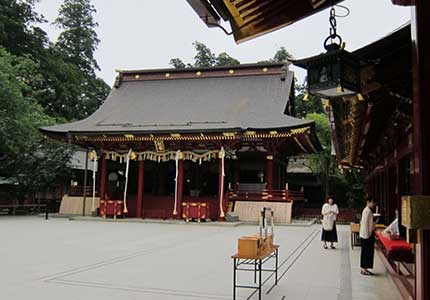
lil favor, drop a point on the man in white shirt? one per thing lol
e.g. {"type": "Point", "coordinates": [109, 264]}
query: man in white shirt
{"type": "Point", "coordinates": [367, 228]}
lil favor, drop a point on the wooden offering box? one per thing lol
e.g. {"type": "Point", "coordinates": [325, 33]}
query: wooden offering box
{"type": "Point", "coordinates": [249, 246]}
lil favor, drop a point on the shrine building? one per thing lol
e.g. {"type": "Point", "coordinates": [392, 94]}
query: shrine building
{"type": "Point", "coordinates": [166, 139]}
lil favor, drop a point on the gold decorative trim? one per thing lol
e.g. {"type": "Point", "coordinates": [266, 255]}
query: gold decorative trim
{"type": "Point", "coordinates": [247, 135]}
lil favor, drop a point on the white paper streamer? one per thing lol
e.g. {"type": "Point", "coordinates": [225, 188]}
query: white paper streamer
{"type": "Point", "coordinates": [175, 211]}
{"type": "Point", "coordinates": [222, 154]}
{"type": "Point", "coordinates": [93, 206]}
{"type": "Point", "coordinates": [126, 181]}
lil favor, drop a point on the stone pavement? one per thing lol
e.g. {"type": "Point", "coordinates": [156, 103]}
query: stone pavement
{"type": "Point", "coordinates": [62, 259]}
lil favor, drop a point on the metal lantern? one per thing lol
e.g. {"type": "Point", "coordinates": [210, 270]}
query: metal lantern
{"type": "Point", "coordinates": [335, 73]}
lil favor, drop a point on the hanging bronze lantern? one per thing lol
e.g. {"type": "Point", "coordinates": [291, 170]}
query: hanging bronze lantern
{"type": "Point", "coordinates": [335, 73]}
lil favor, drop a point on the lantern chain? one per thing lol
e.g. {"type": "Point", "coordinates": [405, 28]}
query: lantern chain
{"type": "Point", "coordinates": [333, 34]}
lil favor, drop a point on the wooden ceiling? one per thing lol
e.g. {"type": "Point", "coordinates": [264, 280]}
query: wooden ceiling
{"type": "Point", "coordinates": [251, 18]}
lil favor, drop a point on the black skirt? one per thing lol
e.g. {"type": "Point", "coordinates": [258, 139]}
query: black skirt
{"type": "Point", "coordinates": [367, 252]}
{"type": "Point", "coordinates": [329, 235]}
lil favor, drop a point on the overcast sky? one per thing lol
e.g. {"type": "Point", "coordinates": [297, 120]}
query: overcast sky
{"type": "Point", "coordinates": [142, 34]}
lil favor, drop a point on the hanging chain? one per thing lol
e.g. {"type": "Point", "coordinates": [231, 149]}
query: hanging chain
{"type": "Point", "coordinates": [333, 34]}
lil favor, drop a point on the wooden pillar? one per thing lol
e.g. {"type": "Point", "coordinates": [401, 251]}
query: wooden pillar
{"type": "Point", "coordinates": [102, 190]}
{"type": "Point", "coordinates": [140, 190]}
{"type": "Point", "coordinates": [84, 200]}
{"type": "Point", "coordinates": [269, 173]}
{"type": "Point", "coordinates": [180, 187]}
{"type": "Point", "coordinates": [421, 126]}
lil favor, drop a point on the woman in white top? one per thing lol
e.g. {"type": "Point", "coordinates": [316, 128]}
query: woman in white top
{"type": "Point", "coordinates": [367, 228]}
{"type": "Point", "coordinates": [329, 212]}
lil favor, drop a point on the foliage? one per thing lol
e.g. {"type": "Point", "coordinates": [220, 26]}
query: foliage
{"type": "Point", "coordinates": [177, 63]}
{"type": "Point", "coordinates": [205, 58]}
{"type": "Point", "coordinates": [281, 55]}
{"type": "Point", "coordinates": [24, 151]}
{"type": "Point", "coordinates": [223, 59]}
{"type": "Point", "coordinates": [304, 107]}
{"type": "Point", "coordinates": [17, 31]}
{"type": "Point", "coordinates": [41, 84]}
{"type": "Point", "coordinates": [77, 44]}
{"type": "Point", "coordinates": [79, 40]}
{"type": "Point", "coordinates": [322, 128]}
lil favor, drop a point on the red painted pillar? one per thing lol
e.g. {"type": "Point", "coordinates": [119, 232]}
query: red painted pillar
{"type": "Point", "coordinates": [421, 126]}
{"type": "Point", "coordinates": [269, 173]}
{"type": "Point", "coordinates": [140, 190]}
{"type": "Point", "coordinates": [180, 188]}
{"type": "Point", "coordinates": [103, 174]}
{"type": "Point", "coordinates": [220, 188]}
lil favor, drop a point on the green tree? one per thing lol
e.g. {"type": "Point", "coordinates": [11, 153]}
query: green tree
{"type": "Point", "coordinates": [77, 43]}
{"type": "Point", "coordinates": [204, 56]}
{"type": "Point", "coordinates": [18, 31]}
{"type": "Point", "coordinates": [303, 107]}
{"type": "Point", "coordinates": [25, 155]}
{"type": "Point", "coordinates": [322, 128]}
{"type": "Point", "coordinates": [223, 59]}
{"type": "Point", "coordinates": [282, 55]}
{"type": "Point", "coordinates": [177, 63]}
{"type": "Point", "coordinates": [79, 39]}
{"type": "Point", "coordinates": [322, 163]}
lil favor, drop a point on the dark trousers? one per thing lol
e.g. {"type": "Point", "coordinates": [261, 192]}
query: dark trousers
{"type": "Point", "coordinates": [367, 252]}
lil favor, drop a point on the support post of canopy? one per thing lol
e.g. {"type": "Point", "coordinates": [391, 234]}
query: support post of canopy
{"type": "Point", "coordinates": [85, 183]}
{"type": "Point", "coordinates": [269, 173]}
{"type": "Point", "coordinates": [103, 175]}
{"type": "Point", "coordinates": [236, 174]}
{"type": "Point", "coordinates": [421, 125]}
{"type": "Point", "coordinates": [140, 185]}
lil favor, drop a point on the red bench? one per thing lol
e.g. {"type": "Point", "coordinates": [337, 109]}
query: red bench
{"type": "Point", "coordinates": [395, 250]}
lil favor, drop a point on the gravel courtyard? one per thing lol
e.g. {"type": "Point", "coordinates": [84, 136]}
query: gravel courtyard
{"type": "Point", "coordinates": [62, 259]}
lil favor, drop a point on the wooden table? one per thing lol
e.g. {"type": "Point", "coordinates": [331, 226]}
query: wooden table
{"type": "Point", "coordinates": [257, 263]}
{"type": "Point", "coordinates": [355, 230]}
